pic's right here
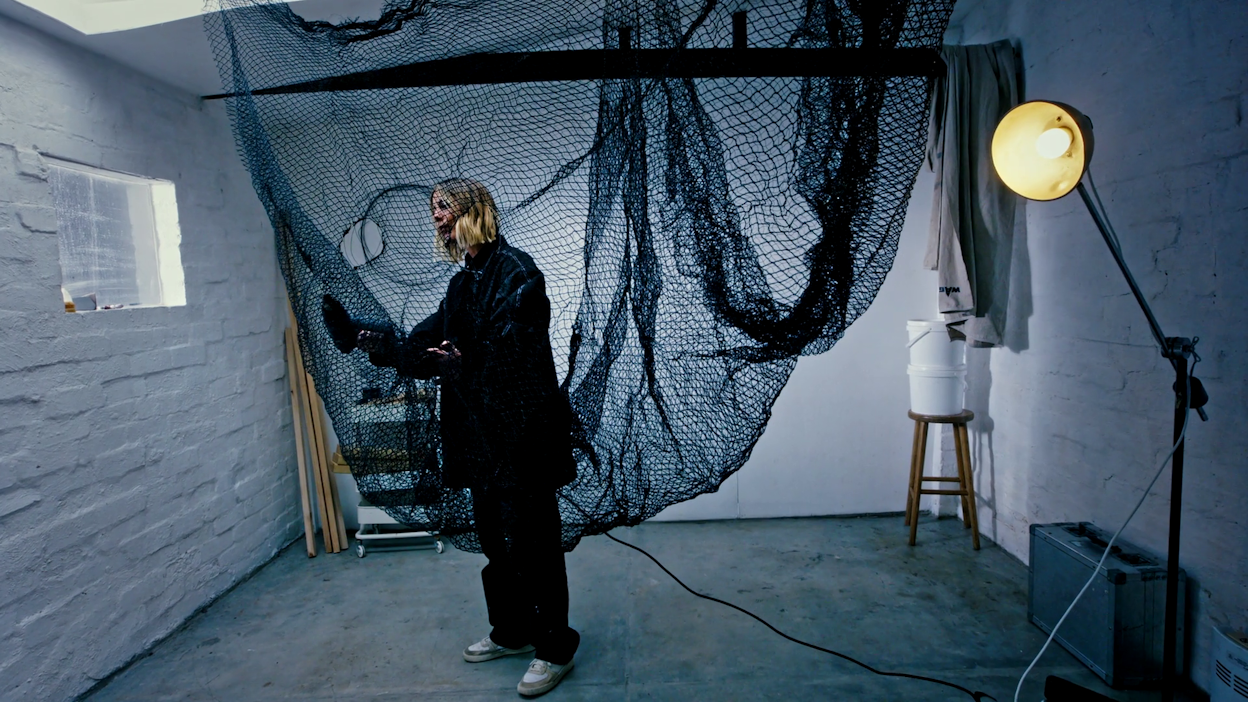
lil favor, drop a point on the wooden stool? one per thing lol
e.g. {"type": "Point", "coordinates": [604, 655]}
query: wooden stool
{"type": "Point", "coordinates": [965, 480]}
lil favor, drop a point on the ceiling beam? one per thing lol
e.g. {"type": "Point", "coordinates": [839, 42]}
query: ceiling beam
{"type": "Point", "coordinates": [624, 63]}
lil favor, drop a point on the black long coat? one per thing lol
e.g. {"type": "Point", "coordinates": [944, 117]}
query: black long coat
{"type": "Point", "coordinates": [504, 419]}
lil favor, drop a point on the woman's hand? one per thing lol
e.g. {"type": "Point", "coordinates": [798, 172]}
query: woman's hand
{"type": "Point", "coordinates": [371, 341]}
{"type": "Point", "coordinates": [447, 359]}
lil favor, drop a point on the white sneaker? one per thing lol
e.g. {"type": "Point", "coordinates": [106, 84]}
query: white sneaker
{"type": "Point", "coordinates": [487, 650]}
{"type": "Point", "coordinates": [542, 677]}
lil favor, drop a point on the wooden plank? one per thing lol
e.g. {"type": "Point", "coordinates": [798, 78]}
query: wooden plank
{"type": "Point", "coordinates": [333, 527]}
{"type": "Point", "coordinates": [328, 529]}
{"type": "Point", "coordinates": [305, 500]}
{"type": "Point", "coordinates": [327, 461]}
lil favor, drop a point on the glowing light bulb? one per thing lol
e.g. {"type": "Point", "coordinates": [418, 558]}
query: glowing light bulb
{"type": "Point", "coordinates": [1054, 142]}
{"type": "Point", "coordinates": [1040, 149]}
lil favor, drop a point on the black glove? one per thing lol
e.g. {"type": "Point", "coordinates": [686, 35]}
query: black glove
{"type": "Point", "coordinates": [341, 329]}
{"type": "Point", "coordinates": [345, 331]}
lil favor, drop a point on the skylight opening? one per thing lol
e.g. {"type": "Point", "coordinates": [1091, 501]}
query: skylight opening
{"type": "Point", "coordinates": [104, 16]}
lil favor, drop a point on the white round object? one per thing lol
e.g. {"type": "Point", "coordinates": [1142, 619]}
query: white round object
{"type": "Point", "coordinates": [362, 243]}
{"type": "Point", "coordinates": [931, 345]}
{"type": "Point", "coordinates": [1054, 142]}
{"type": "Point", "coordinates": [939, 391]}
{"type": "Point", "coordinates": [1041, 149]}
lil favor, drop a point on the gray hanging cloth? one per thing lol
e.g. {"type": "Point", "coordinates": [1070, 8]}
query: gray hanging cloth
{"type": "Point", "coordinates": [972, 232]}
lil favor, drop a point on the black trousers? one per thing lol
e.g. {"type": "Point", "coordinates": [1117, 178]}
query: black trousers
{"type": "Point", "coordinates": [526, 581]}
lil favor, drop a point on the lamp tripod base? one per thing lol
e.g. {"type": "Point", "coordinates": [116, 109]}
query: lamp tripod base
{"type": "Point", "coordinates": [1061, 690]}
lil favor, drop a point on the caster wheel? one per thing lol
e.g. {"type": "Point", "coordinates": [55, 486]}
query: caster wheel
{"type": "Point", "coordinates": [360, 550]}
{"type": "Point", "coordinates": [437, 546]}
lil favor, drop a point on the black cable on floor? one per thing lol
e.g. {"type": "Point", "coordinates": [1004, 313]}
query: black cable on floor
{"type": "Point", "coordinates": [976, 695]}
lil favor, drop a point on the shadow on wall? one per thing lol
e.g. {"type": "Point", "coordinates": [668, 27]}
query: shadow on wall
{"type": "Point", "coordinates": [1015, 338]}
{"type": "Point", "coordinates": [1019, 306]}
{"type": "Point", "coordinates": [1010, 277]}
{"type": "Point", "coordinates": [983, 460]}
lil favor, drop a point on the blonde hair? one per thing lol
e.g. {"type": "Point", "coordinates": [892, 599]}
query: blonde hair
{"type": "Point", "coordinates": [476, 216]}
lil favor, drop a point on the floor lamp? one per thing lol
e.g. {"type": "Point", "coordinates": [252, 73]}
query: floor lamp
{"type": "Point", "coordinates": [1041, 151]}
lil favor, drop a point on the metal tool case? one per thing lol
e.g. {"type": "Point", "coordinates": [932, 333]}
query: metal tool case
{"type": "Point", "coordinates": [1116, 629]}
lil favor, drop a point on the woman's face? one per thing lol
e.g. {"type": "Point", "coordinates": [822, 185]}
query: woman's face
{"type": "Point", "coordinates": [443, 217]}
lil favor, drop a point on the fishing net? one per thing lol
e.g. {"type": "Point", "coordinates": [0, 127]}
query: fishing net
{"type": "Point", "coordinates": [695, 236]}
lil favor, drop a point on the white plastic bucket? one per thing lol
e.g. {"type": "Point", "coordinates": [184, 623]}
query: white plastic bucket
{"type": "Point", "coordinates": [931, 347]}
{"type": "Point", "coordinates": [937, 390]}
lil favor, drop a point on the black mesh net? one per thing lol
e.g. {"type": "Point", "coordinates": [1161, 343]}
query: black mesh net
{"type": "Point", "coordinates": [672, 245]}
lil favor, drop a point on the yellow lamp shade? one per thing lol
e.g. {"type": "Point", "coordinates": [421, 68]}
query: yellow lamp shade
{"type": "Point", "coordinates": [1041, 149]}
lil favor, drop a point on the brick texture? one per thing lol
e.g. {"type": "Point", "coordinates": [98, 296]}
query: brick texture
{"type": "Point", "coordinates": [1074, 417]}
{"type": "Point", "coordinates": [146, 455]}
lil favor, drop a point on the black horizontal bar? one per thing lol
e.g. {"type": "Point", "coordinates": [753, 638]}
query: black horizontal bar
{"type": "Point", "coordinates": [606, 64]}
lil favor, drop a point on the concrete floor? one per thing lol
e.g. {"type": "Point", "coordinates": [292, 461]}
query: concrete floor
{"type": "Point", "coordinates": [391, 626]}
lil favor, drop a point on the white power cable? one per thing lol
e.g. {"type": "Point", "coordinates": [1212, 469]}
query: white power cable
{"type": "Point", "coordinates": [1109, 546]}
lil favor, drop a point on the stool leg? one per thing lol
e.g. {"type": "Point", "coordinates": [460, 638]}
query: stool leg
{"type": "Point", "coordinates": [970, 489]}
{"type": "Point", "coordinates": [917, 484]}
{"type": "Point", "coordinates": [963, 477]}
{"type": "Point", "coordinates": [910, 496]}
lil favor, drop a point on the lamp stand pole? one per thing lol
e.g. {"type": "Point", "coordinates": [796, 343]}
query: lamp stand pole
{"type": "Point", "coordinates": [1177, 350]}
{"type": "Point", "coordinates": [1169, 679]}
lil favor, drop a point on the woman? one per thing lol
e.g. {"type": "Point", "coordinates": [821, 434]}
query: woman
{"type": "Point", "coordinates": [504, 423]}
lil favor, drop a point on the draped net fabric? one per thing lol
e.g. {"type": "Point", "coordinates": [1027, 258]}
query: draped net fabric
{"type": "Point", "coordinates": [697, 235]}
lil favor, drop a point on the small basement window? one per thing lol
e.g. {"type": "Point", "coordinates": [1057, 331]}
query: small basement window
{"type": "Point", "coordinates": [119, 239]}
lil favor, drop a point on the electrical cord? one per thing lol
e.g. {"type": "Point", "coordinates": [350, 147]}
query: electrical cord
{"type": "Point", "coordinates": [976, 695]}
{"type": "Point", "coordinates": [1109, 546]}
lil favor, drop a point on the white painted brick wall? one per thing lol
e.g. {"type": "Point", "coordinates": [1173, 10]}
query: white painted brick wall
{"type": "Point", "coordinates": [146, 455]}
{"type": "Point", "coordinates": [1075, 415]}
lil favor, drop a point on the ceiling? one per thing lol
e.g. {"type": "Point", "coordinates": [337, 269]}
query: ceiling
{"type": "Point", "coordinates": [100, 16]}
{"type": "Point", "coordinates": [177, 51]}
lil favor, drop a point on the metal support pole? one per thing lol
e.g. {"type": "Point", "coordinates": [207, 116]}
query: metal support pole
{"type": "Point", "coordinates": [740, 40]}
{"type": "Point", "coordinates": [1177, 350]}
{"type": "Point", "coordinates": [628, 62]}
{"type": "Point", "coordinates": [1169, 677]}
{"type": "Point", "coordinates": [1126, 273]}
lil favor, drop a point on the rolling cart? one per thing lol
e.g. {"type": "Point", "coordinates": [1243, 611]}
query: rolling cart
{"type": "Point", "coordinates": [384, 421]}
{"type": "Point", "coordinates": [380, 529]}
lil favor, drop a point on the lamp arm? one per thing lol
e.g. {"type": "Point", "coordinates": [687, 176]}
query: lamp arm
{"type": "Point", "coordinates": [1160, 337]}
